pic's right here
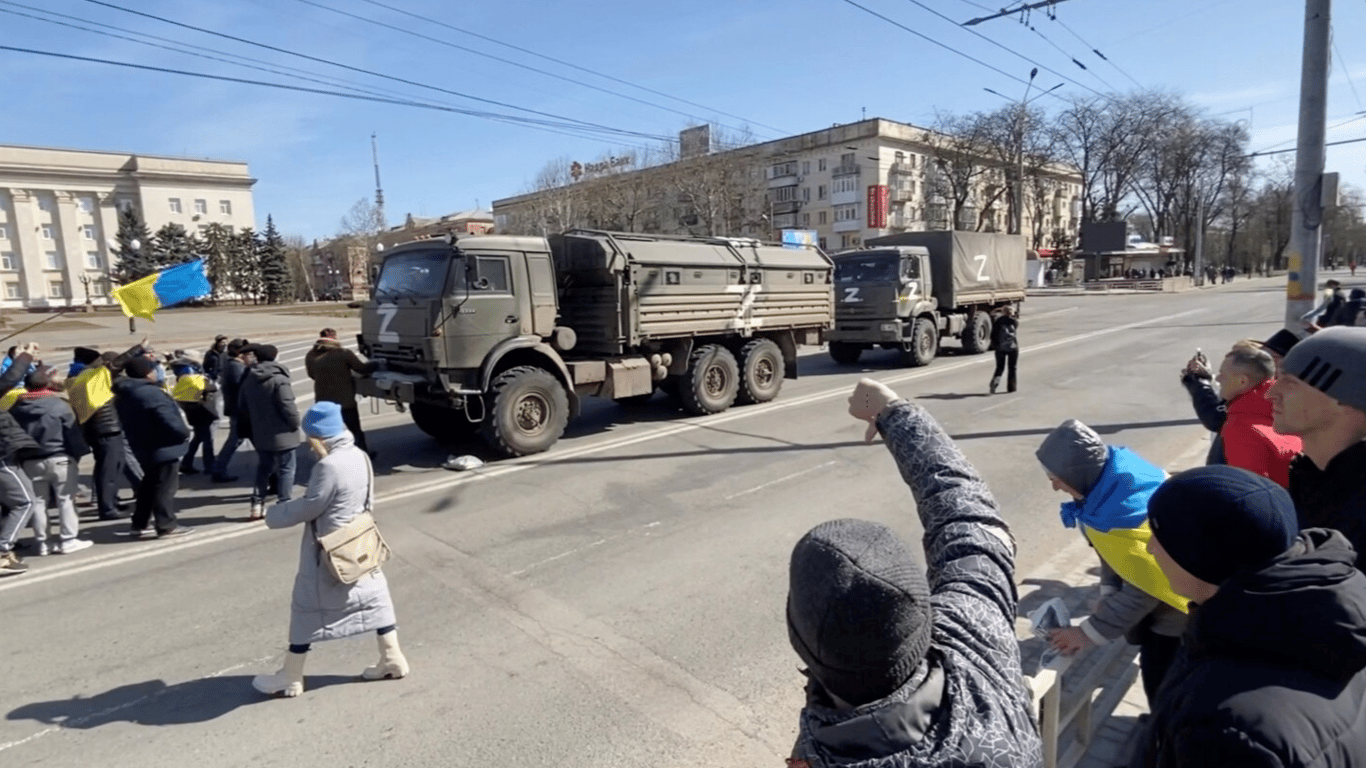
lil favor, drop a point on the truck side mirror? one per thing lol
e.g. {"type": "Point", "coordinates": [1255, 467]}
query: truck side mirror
{"type": "Point", "coordinates": [472, 276]}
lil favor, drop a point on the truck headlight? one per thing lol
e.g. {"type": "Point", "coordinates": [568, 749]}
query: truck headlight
{"type": "Point", "coordinates": [891, 327]}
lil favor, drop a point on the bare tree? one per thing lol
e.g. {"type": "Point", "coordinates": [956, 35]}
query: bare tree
{"type": "Point", "coordinates": [362, 226]}
{"type": "Point", "coordinates": [966, 177]}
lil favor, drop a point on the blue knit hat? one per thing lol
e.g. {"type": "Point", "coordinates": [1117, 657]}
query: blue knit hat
{"type": "Point", "coordinates": [324, 420]}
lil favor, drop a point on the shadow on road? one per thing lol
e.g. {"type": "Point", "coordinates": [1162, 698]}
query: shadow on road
{"type": "Point", "coordinates": [155, 703]}
{"type": "Point", "coordinates": [953, 395]}
{"type": "Point", "coordinates": [1103, 429]}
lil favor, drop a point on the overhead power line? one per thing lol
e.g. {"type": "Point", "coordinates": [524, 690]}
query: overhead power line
{"type": "Point", "coordinates": [1005, 12]}
{"type": "Point", "coordinates": [1095, 50]}
{"type": "Point", "coordinates": [1295, 149]}
{"type": "Point", "coordinates": [1345, 71]}
{"type": "Point", "coordinates": [571, 65]}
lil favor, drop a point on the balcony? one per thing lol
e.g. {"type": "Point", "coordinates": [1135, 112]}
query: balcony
{"type": "Point", "coordinates": [903, 167]}
{"type": "Point", "coordinates": [902, 194]}
{"type": "Point", "coordinates": [785, 206]}
{"type": "Point", "coordinates": [785, 221]}
{"type": "Point", "coordinates": [900, 221]}
{"type": "Point", "coordinates": [850, 169]}
{"type": "Point", "coordinates": [846, 198]}
{"type": "Point", "coordinates": [783, 180]}
{"type": "Point", "coordinates": [849, 225]}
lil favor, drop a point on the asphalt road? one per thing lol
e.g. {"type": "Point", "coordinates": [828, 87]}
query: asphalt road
{"type": "Point", "coordinates": [615, 602]}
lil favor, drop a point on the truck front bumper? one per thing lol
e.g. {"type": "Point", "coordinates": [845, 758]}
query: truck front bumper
{"type": "Point", "coordinates": [391, 385]}
{"type": "Point", "coordinates": [881, 332]}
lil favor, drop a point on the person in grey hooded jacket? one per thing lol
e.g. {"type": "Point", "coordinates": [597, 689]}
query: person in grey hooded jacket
{"type": "Point", "coordinates": [267, 415]}
{"type": "Point", "coordinates": [906, 667]}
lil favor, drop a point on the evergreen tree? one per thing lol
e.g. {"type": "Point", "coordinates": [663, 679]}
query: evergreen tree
{"type": "Point", "coordinates": [246, 265]}
{"type": "Point", "coordinates": [276, 278]}
{"type": "Point", "coordinates": [217, 252]}
{"type": "Point", "coordinates": [135, 255]}
{"type": "Point", "coordinates": [172, 245]}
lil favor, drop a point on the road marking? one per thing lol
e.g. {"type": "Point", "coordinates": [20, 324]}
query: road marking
{"type": "Point", "coordinates": [998, 405]}
{"type": "Point", "coordinates": [584, 548]}
{"type": "Point", "coordinates": [517, 465]}
{"type": "Point", "coordinates": [1033, 317]}
{"type": "Point", "coordinates": [783, 479]}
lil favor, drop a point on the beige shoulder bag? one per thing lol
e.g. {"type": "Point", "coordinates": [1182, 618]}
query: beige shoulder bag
{"type": "Point", "coordinates": [357, 548]}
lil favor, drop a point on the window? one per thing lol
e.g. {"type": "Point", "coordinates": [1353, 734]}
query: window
{"type": "Point", "coordinates": [494, 269]}
{"type": "Point", "coordinates": [846, 184]}
{"type": "Point", "coordinates": [822, 242]}
{"type": "Point", "coordinates": [88, 231]}
{"type": "Point", "coordinates": [820, 192]}
{"type": "Point", "coordinates": [4, 232]}
{"type": "Point", "coordinates": [47, 231]}
{"type": "Point", "coordinates": [9, 262]}
{"type": "Point", "coordinates": [126, 205]}
{"type": "Point", "coordinates": [806, 219]}
{"type": "Point", "coordinates": [820, 217]}
{"type": "Point", "coordinates": [820, 164]}
{"type": "Point", "coordinates": [98, 287]}
{"type": "Point", "coordinates": [12, 291]}
{"type": "Point", "coordinates": [784, 169]}
{"type": "Point", "coordinates": [86, 204]}
{"type": "Point", "coordinates": [53, 260]}
{"type": "Point", "coordinates": [846, 213]}
{"type": "Point", "coordinates": [806, 194]}
{"type": "Point", "coordinates": [44, 204]}
{"type": "Point", "coordinates": [56, 289]}
{"type": "Point", "coordinates": [201, 206]}
{"type": "Point", "coordinates": [175, 205]}
{"type": "Point", "coordinates": [847, 159]}
{"type": "Point", "coordinates": [784, 194]}
{"type": "Point", "coordinates": [225, 207]}
{"type": "Point", "coordinates": [92, 260]}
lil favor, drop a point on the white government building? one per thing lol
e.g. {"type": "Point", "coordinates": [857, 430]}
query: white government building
{"type": "Point", "coordinates": [59, 214]}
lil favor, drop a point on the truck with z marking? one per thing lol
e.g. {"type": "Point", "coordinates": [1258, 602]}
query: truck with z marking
{"type": "Point", "coordinates": [911, 290]}
{"type": "Point", "coordinates": [502, 336]}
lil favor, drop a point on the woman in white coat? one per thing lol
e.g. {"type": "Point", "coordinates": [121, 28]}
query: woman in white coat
{"type": "Point", "coordinates": [322, 607]}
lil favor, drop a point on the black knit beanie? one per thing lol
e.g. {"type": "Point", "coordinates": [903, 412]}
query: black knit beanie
{"type": "Point", "coordinates": [1218, 520]}
{"type": "Point", "coordinates": [858, 609]}
{"type": "Point", "coordinates": [139, 367]}
{"type": "Point", "coordinates": [85, 355]}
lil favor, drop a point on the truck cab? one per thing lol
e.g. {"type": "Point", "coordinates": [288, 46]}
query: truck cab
{"type": "Point", "coordinates": [879, 294]}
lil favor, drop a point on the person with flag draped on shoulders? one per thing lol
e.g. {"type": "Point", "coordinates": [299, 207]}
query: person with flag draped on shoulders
{"type": "Point", "coordinates": [90, 390]}
{"type": "Point", "coordinates": [1110, 487]}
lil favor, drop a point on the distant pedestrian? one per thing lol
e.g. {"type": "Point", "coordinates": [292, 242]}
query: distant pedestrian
{"type": "Point", "coordinates": [1331, 300]}
{"type": "Point", "coordinates": [157, 434]}
{"type": "Point", "coordinates": [196, 395]}
{"type": "Point", "coordinates": [234, 368]}
{"type": "Point", "coordinates": [1005, 340]}
{"type": "Point", "coordinates": [267, 414]}
{"type": "Point", "coordinates": [51, 466]}
{"type": "Point", "coordinates": [331, 366]}
{"type": "Point", "coordinates": [323, 608]}
{"type": "Point", "coordinates": [904, 665]}
{"type": "Point", "coordinates": [1272, 668]}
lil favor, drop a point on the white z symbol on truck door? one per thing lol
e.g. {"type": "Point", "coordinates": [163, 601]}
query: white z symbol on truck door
{"type": "Point", "coordinates": [386, 314]}
{"type": "Point", "coordinates": [851, 296]}
{"type": "Point", "coordinates": [982, 276]}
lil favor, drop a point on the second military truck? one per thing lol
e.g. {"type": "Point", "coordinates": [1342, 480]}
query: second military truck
{"type": "Point", "coordinates": [910, 290]}
{"type": "Point", "coordinates": [503, 335]}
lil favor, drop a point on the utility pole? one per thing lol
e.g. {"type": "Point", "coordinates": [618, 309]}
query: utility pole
{"type": "Point", "coordinates": [1306, 217]}
{"type": "Point", "coordinates": [1198, 268]}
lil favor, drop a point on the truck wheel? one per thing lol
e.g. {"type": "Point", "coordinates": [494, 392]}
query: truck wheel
{"type": "Point", "coordinates": [923, 344]}
{"type": "Point", "coordinates": [977, 336]}
{"type": "Point", "coordinates": [761, 371]}
{"type": "Point", "coordinates": [447, 425]}
{"type": "Point", "coordinates": [711, 382]}
{"type": "Point", "coordinates": [845, 353]}
{"type": "Point", "coordinates": [529, 411]}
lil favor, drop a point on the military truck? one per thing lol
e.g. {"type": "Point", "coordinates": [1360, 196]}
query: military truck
{"type": "Point", "coordinates": [503, 335]}
{"type": "Point", "coordinates": [911, 290]}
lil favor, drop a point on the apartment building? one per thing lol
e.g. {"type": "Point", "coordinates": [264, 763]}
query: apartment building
{"type": "Point", "coordinates": [846, 183]}
{"type": "Point", "coordinates": [59, 214]}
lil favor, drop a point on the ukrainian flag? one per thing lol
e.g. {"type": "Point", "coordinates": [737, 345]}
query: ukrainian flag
{"type": "Point", "coordinates": [143, 297]}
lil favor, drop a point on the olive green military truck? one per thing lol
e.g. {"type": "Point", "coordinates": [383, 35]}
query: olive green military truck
{"type": "Point", "coordinates": [502, 336]}
{"type": "Point", "coordinates": [911, 290]}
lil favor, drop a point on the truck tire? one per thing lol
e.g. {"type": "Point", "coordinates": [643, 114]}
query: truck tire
{"type": "Point", "coordinates": [761, 371]}
{"type": "Point", "coordinates": [711, 381]}
{"type": "Point", "coordinates": [977, 336]}
{"type": "Point", "coordinates": [923, 345]}
{"type": "Point", "coordinates": [447, 425]}
{"type": "Point", "coordinates": [528, 412]}
{"type": "Point", "coordinates": [845, 353]}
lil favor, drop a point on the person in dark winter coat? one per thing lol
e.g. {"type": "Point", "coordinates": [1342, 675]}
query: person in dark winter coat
{"type": "Point", "coordinates": [267, 413]}
{"type": "Point", "coordinates": [91, 395]}
{"type": "Point", "coordinates": [1005, 340]}
{"type": "Point", "coordinates": [330, 365]}
{"type": "Point", "coordinates": [196, 394]}
{"type": "Point", "coordinates": [157, 434]}
{"type": "Point", "coordinates": [215, 357]}
{"type": "Point", "coordinates": [1272, 669]}
{"type": "Point", "coordinates": [1350, 313]}
{"type": "Point", "coordinates": [1321, 397]}
{"type": "Point", "coordinates": [51, 468]}
{"type": "Point", "coordinates": [16, 492]}
{"type": "Point", "coordinates": [1332, 300]}
{"type": "Point", "coordinates": [904, 667]}
{"type": "Point", "coordinates": [234, 363]}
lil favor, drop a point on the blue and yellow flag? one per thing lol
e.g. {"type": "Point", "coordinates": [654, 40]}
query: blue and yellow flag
{"type": "Point", "coordinates": [88, 392]}
{"type": "Point", "coordinates": [143, 297]}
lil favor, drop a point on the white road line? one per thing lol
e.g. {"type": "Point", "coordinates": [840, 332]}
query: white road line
{"type": "Point", "coordinates": [1032, 317]}
{"type": "Point", "coordinates": [782, 479]}
{"type": "Point", "coordinates": [517, 465]}
{"type": "Point", "coordinates": [998, 405]}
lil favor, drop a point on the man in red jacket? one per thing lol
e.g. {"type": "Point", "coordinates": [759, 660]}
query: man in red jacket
{"type": "Point", "coordinates": [1249, 441]}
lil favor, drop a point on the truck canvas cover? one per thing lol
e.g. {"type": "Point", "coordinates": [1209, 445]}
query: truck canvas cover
{"type": "Point", "coordinates": [967, 267]}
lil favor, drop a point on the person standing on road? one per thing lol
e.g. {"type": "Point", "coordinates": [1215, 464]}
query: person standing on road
{"type": "Point", "coordinates": [1110, 487]}
{"type": "Point", "coordinates": [905, 667]}
{"type": "Point", "coordinates": [1321, 398]}
{"type": "Point", "coordinates": [91, 394]}
{"type": "Point", "coordinates": [157, 434]}
{"type": "Point", "coordinates": [51, 467]}
{"type": "Point", "coordinates": [195, 393]}
{"type": "Point", "coordinates": [16, 492]}
{"type": "Point", "coordinates": [1244, 377]}
{"type": "Point", "coordinates": [322, 608]}
{"type": "Point", "coordinates": [266, 411]}
{"type": "Point", "coordinates": [215, 357]}
{"type": "Point", "coordinates": [330, 365]}
{"type": "Point", "coordinates": [1272, 668]}
{"type": "Point", "coordinates": [235, 363]}
{"type": "Point", "coordinates": [1005, 340]}
{"type": "Point", "coordinates": [1332, 300]}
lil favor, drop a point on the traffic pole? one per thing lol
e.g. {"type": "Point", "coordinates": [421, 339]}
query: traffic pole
{"type": "Point", "coordinates": [1306, 218]}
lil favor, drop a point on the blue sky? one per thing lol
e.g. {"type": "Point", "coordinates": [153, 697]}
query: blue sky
{"type": "Point", "coordinates": [778, 66]}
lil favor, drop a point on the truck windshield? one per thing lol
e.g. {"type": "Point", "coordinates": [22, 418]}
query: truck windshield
{"type": "Point", "coordinates": [415, 274]}
{"type": "Point", "coordinates": [871, 268]}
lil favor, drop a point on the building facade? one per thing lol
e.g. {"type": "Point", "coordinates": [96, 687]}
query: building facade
{"type": "Point", "coordinates": [846, 183]}
{"type": "Point", "coordinates": [59, 214]}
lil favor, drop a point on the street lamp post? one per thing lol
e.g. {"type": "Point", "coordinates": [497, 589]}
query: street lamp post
{"type": "Point", "coordinates": [85, 282]}
{"type": "Point", "coordinates": [1017, 210]}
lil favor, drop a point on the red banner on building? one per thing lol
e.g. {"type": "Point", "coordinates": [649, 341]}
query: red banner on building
{"type": "Point", "coordinates": [878, 200]}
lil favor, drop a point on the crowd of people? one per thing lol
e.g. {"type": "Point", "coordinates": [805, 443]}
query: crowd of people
{"type": "Point", "coordinates": [147, 417]}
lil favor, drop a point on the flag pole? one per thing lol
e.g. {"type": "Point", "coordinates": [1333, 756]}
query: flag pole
{"type": "Point", "coordinates": [63, 311]}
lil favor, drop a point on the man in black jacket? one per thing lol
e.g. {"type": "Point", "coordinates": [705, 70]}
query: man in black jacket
{"type": "Point", "coordinates": [268, 414]}
{"type": "Point", "coordinates": [16, 492]}
{"type": "Point", "coordinates": [234, 367]}
{"type": "Point", "coordinates": [157, 434]}
{"type": "Point", "coordinates": [1005, 339]}
{"type": "Point", "coordinates": [1272, 669]}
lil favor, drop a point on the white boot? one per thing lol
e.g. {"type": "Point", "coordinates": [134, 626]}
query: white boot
{"type": "Point", "coordinates": [288, 682]}
{"type": "Point", "coordinates": [391, 664]}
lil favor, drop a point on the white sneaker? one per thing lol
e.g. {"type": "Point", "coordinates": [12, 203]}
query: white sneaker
{"type": "Point", "coordinates": [73, 545]}
{"type": "Point", "coordinates": [41, 550]}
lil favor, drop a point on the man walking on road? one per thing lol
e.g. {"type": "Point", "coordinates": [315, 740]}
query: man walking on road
{"type": "Point", "coordinates": [234, 365]}
{"type": "Point", "coordinates": [16, 492]}
{"type": "Point", "coordinates": [157, 434]}
{"type": "Point", "coordinates": [330, 365]}
{"type": "Point", "coordinates": [1005, 340]}
{"type": "Point", "coordinates": [1321, 397]}
{"type": "Point", "coordinates": [51, 468]}
{"type": "Point", "coordinates": [905, 668]}
{"type": "Point", "coordinates": [267, 413]}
